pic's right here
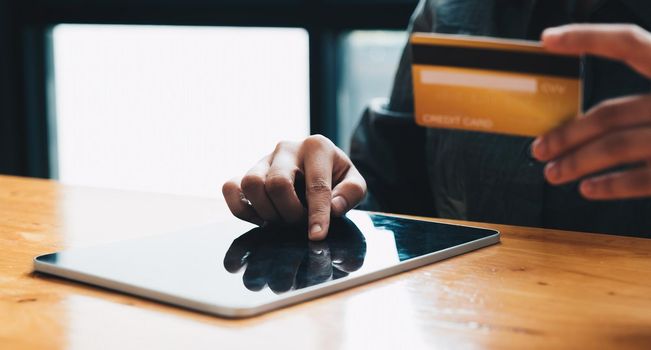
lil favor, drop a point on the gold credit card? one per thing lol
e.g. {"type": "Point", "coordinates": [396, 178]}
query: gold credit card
{"type": "Point", "coordinates": [493, 85]}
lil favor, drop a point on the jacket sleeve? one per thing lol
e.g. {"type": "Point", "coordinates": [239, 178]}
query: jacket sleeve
{"type": "Point", "coordinates": [389, 151]}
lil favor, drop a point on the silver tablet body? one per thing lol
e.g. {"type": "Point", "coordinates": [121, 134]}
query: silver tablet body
{"type": "Point", "coordinates": [236, 270]}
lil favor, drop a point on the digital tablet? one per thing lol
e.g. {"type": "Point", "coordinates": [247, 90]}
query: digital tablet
{"type": "Point", "coordinates": [236, 269]}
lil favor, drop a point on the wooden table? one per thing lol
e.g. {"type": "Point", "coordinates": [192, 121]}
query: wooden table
{"type": "Point", "coordinates": [537, 289]}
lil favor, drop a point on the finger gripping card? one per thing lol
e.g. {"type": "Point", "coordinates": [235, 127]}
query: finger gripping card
{"type": "Point", "coordinates": [493, 85]}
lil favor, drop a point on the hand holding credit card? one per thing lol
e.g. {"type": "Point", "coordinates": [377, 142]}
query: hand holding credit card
{"type": "Point", "coordinates": [492, 85]}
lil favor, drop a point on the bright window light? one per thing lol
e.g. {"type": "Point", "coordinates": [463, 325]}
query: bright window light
{"type": "Point", "coordinates": [173, 109]}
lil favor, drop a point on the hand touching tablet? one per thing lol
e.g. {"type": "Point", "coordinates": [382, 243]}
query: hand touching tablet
{"type": "Point", "coordinates": [267, 192]}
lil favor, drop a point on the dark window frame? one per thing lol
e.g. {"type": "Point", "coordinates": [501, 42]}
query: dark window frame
{"type": "Point", "coordinates": [24, 52]}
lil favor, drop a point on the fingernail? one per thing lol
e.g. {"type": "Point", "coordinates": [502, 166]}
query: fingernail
{"type": "Point", "coordinates": [339, 205]}
{"type": "Point", "coordinates": [552, 171]}
{"type": "Point", "coordinates": [588, 187]}
{"type": "Point", "coordinates": [315, 230]}
{"type": "Point", "coordinates": [539, 148]}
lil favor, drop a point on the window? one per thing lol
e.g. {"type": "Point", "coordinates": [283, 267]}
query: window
{"type": "Point", "coordinates": [173, 109]}
{"type": "Point", "coordinates": [33, 101]}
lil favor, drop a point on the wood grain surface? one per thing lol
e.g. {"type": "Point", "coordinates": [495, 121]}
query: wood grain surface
{"type": "Point", "coordinates": [536, 289]}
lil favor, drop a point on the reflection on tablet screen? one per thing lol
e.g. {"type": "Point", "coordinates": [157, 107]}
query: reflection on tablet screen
{"type": "Point", "coordinates": [283, 258]}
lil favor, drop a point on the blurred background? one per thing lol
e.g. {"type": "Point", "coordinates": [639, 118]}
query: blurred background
{"type": "Point", "coordinates": [177, 96]}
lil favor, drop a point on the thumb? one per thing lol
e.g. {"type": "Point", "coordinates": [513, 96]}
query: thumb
{"type": "Point", "coordinates": [348, 193]}
{"type": "Point", "coordinates": [623, 42]}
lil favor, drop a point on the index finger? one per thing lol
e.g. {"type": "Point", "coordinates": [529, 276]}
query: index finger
{"type": "Point", "coordinates": [624, 42]}
{"type": "Point", "coordinates": [317, 166]}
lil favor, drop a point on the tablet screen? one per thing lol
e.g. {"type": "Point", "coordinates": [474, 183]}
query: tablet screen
{"type": "Point", "coordinates": [281, 257]}
{"type": "Point", "coordinates": [237, 264]}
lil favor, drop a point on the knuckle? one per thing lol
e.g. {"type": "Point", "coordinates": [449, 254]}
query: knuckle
{"type": "Point", "coordinates": [279, 147]}
{"type": "Point", "coordinates": [604, 116]}
{"type": "Point", "coordinates": [602, 123]}
{"type": "Point", "coordinates": [316, 141]}
{"type": "Point", "coordinates": [278, 184]}
{"type": "Point", "coordinates": [558, 140]}
{"type": "Point", "coordinates": [283, 146]}
{"type": "Point", "coordinates": [252, 183]}
{"type": "Point", "coordinates": [616, 146]}
{"type": "Point", "coordinates": [317, 211]}
{"type": "Point", "coordinates": [228, 187]}
{"type": "Point", "coordinates": [363, 185]}
{"type": "Point", "coordinates": [355, 189]}
{"type": "Point", "coordinates": [570, 165]}
{"type": "Point", "coordinates": [360, 188]}
{"type": "Point", "coordinates": [565, 36]}
{"type": "Point", "coordinates": [605, 187]}
{"type": "Point", "coordinates": [564, 39]}
{"type": "Point", "coordinates": [609, 107]}
{"type": "Point", "coordinates": [635, 35]}
{"type": "Point", "coordinates": [318, 186]}
{"type": "Point", "coordinates": [641, 182]}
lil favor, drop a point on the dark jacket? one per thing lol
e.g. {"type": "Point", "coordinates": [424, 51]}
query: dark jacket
{"type": "Point", "coordinates": [488, 177]}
